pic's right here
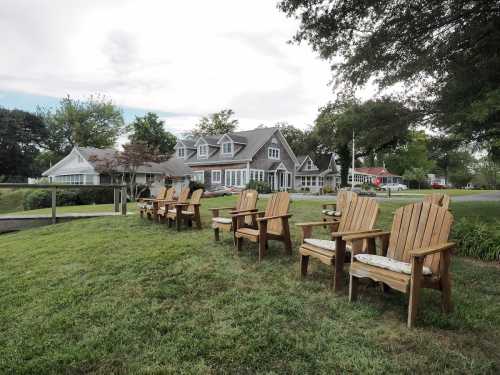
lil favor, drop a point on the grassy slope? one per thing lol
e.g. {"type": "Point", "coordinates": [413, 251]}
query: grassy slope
{"type": "Point", "coordinates": [11, 200]}
{"type": "Point", "coordinates": [126, 295]}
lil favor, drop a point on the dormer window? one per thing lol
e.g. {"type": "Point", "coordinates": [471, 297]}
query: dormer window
{"type": "Point", "coordinates": [227, 148]}
{"type": "Point", "coordinates": [203, 151]}
{"type": "Point", "coordinates": [309, 165]}
{"type": "Point", "coordinates": [181, 153]}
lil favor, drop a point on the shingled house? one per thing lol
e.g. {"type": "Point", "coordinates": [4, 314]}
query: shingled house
{"type": "Point", "coordinates": [233, 159]}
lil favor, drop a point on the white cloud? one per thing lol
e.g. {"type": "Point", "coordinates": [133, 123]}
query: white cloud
{"type": "Point", "coordinates": [187, 57]}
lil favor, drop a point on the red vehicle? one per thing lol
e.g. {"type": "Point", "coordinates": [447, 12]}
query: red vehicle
{"type": "Point", "coordinates": [438, 186]}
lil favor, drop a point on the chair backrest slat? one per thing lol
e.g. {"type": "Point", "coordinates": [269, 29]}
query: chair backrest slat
{"type": "Point", "coordinates": [277, 204]}
{"type": "Point", "coordinates": [440, 199]}
{"type": "Point", "coordinates": [161, 194]}
{"type": "Point", "coordinates": [247, 200]}
{"type": "Point", "coordinates": [343, 199]}
{"type": "Point", "coordinates": [419, 225]}
{"type": "Point", "coordinates": [361, 214]}
{"type": "Point", "coordinates": [195, 199]}
{"type": "Point", "coordinates": [169, 194]}
{"type": "Point", "coordinates": [183, 195]}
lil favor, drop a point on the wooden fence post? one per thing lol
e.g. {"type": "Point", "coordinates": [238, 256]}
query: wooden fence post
{"type": "Point", "coordinates": [116, 199]}
{"type": "Point", "coordinates": [54, 198]}
{"type": "Point", "coordinates": [124, 201]}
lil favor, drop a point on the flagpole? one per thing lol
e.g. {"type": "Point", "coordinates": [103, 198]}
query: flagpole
{"type": "Point", "coordinates": [352, 173]}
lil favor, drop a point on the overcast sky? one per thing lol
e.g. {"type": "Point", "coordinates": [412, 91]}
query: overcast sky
{"type": "Point", "coordinates": [182, 59]}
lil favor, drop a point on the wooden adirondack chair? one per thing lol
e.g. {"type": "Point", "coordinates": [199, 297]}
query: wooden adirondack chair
{"type": "Point", "coordinates": [144, 204]}
{"type": "Point", "coordinates": [359, 217]}
{"type": "Point", "coordinates": [152, 209]}
{"type": "Point", "coordinates": [418, 255]}
{"type": "Point", "coordinates": [247, 201]}
{"type": "Point", "coordinates": [165, 205]}
{"type": "Point", "coordinates": [442, 200]}
{"type": "Point", "coordinates": [272, 225]}
{"type": "Point", "coordinates": [334, 210]}
{"type": "Point", "coordinates": [187, 211]}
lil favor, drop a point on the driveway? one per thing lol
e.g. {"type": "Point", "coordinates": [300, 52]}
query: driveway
{"type": "Point", "coordinates": [486, 197]}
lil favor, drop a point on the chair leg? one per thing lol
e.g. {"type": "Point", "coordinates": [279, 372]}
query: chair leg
{"type": "Point", "coordinates": [338, 266]}
{"type": "Point", "coordinates": [216, 234]}
{"type": "Point", "coordinates": [304, 263]}
{"type": "Point", "coordinates": [446, 303]}
{"type": "Point", "coordinates": [417, 264]}
{"type": "Point", "coordinates": [262, 247]}
{"type": "Point", "coordinates": [239, 243]}
{"type": "Point", "coordinates": [353, 288]}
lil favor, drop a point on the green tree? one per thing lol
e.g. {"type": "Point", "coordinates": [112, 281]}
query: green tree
{"type": "Point", "coordinates": [379, 125]}
{"type": "Point", "coordinates": [448, 48]}
{"type": "Point", "coordinates": [21, 134]}
{"type": "Point", "coordinates": [417, 175]}
{"type": "Point", "coordinates": [95, 122]}
{"type": "Point", "coordinates": [216, 123]}
{"type": "Point", "coordinates": [488, 173]}
{"type": "Point", "coordinates": [413, 154]}
{"type": "Point", "coordinates": [150, 130]}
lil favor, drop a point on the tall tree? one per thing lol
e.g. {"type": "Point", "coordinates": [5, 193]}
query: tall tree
{"type": "Point", "coordinates": [21, 134]}
{"type": "Point", "coordinates": [216, 123]}
{"type": "Point", "coordinates": [378, 125]}
{"type": "Point", "coordinates": [412, 154]}
{"type": "Point", "coordinates": [435, 45]}
{"type": "Point", "coordinates": [150, 130]}
{"type": "Point", "coordinates": [95, 122]}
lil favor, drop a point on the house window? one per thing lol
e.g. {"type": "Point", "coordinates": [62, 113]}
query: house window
{"type": "Point", "coordinates": [216, 177]}
{"type": "Point", "coordinates": [74, 179]}
{"type": "Point", "coordinates": [236, 177]}
{"type": "Point", "coordinates": [273, 153]}
{"type": "Point", "coordinates": [309, 165]}
{"type": "Point", "coordinates": [320, 181]}
{"type": "Point", "coordinates": [203, 151]}
{"type": "Point", "coordinates": [199, 176]}
{"type": "Point", "coordinates": [227, 148]}
{"type": "Point", "coordinates": [181, 153]}
{"type": "Point", "coordinates": [256, 175]}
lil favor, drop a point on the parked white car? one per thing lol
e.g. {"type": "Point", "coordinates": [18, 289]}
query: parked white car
{"type": "Point", "coordinates": [394, 187]}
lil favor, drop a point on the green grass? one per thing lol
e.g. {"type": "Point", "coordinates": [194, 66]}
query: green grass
{"type": "Point", "coordinates": [11, 200]}
{"type": "Point", "coordinates": [450, 192]}
{"type": "Point", "coordinates": [124, 295]}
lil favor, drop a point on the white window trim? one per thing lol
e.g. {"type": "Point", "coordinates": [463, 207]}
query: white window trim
{"type": "Point", "coordinates": [258, 175]}
{"type": "Point", "coordinates": [220, 176]}
{"type": "Point", "coordinates": [229, 181]}
{"type": "Point", "coordinates": [183, 156]}
{"type": "Point", "coordinates": [204, 155]}
{"type": "Point", "coordinates": [231, 153]}
{"type": "Point", "coordinates": [270, 153]}
{"type": "Point", "coordinates": [198, 173]}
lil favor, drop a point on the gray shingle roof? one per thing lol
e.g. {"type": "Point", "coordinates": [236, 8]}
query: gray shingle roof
{"type": "Point", "coordinates": [258, 138]}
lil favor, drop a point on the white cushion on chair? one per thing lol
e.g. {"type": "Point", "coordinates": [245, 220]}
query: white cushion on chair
{"type": "Point", "coordinates": [172, 211]}
{"type": "Point", "coordinates": [389, 264]}
{"type": "Point", "coordinates": [222, 220]}
{"type": "Point", "coordinates": [141, 205]}
{"type": "Point", "coordinates": [324, 244]}
{"type": "Point", "coordinates": [183, 212]}
{"type": "Point", "coordinates": [331, 213]}
{"type": "Point", "coordinates": [149, 206]}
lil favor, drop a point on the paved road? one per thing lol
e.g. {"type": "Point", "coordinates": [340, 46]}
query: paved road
{"type": "Point", "coordinates": [486, 197]}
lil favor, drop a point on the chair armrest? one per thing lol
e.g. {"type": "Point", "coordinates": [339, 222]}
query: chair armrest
{"type": "Point", "coordinates": [246, 213]}
{"type": "Point", "coordinates": [221, 209]}
{"type": "Point", "coordinates": [184, 204]}
{"type": "Point", "coordinates": [432, 249]}
{"type": "Point", "coordinates": [235, 212]}
{"type": "Point", "coordinates": [362, 235]}
{"type": "Point", "coordinates": [317, 223]}
{"type": "Point", "coordinates": [266, 218]}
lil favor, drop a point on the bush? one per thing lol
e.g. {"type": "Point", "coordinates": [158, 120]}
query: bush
{"type": "Point", "coordinates": [195, 185]}
{"type": "Point", "coordinates": [327, 190]}
{"type": "Point", "coordinates": [261, 186]}
{"type": "Point", "coordinates": [476, 239]}
{"type": "Point", "coordinates": [43, 198]}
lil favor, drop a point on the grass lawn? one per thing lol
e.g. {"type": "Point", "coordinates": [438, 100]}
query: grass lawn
{"type": "Point", "coordinates": [11, 200]}
{"type": "Point", "coordinates": [124, 295]}
{"type": "Point", "coordinates": [450, 192]}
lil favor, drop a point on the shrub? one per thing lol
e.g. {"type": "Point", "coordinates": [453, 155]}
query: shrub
{"type": "Point", "coordinates": [476, 239]}
{"type": "Point", "coordinates": [36, 198]}
{"type": "Point", "coordinates": [327, 190]}
{"type": "Point", "coordinates": [261, 186]}
{"type": "Point", "coordinates": [195, 185]}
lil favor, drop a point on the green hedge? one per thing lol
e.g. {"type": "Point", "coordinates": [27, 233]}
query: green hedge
{"type": "Point", "coordinates": [476, 239]}
{"type": "Point", "coordinates": [43, 198]}
{"type": "Point", "coordinates": [261, 186]}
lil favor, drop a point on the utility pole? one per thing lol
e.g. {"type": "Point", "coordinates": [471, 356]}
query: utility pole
{"type": "Point", "coordinates": [353, 158]}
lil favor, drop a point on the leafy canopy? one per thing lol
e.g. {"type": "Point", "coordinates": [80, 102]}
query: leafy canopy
{"type": "Point", "coordinates": [95, 122]}
{"type": "Point", "coordinates": [216, 123]}
{"type": "Point", "coordinates": [435, 45]}
{"type": "Point", "coordinates": [150, 130]}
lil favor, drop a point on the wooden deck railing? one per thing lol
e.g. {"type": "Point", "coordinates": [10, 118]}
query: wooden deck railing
{"type": "Point", "coordinates": [119, 193]}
